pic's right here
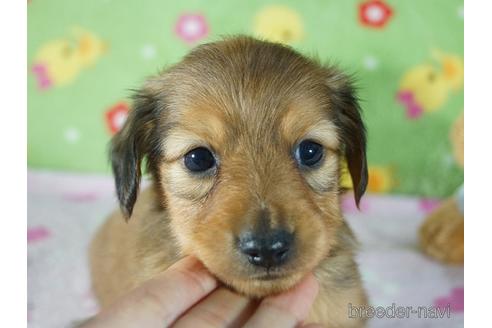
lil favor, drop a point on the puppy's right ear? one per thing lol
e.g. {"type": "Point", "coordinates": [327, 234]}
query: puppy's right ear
{"type": "Point", "coordinates": [136, 140]}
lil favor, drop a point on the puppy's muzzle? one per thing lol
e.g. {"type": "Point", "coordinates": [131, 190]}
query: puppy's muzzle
{"type": "Point", "coordinates": [267, 249]}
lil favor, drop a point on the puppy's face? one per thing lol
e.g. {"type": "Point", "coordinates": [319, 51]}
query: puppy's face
{"type": "Point", "coordinates": [244, 139]}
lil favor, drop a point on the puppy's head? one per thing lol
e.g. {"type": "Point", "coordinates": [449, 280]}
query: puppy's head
{"type": "Point", "coordinates": [244, 139]}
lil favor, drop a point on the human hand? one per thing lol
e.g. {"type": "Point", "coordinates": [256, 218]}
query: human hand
{"type": "Point", "coordinates": [187, 295]}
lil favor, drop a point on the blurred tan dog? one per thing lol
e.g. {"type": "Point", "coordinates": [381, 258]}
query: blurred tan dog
{"type": "Point", "coordinates": [243, 139]}
{"type": "Point", "coordinates": [442, 235]}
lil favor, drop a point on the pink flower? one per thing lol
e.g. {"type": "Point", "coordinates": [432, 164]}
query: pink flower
{"type": "Point", "coordinates": [407, 99]}
{"type": "Point", "coordinates": [455, 300]}
{"type": "Point", "coordinates": [38, 233]}
{"type": "Point", "coordinates": [42, 77]}
{"type": "Point", "coordinates": [191, 27]}
{"type": "Point", "coordinates": [427, 205]}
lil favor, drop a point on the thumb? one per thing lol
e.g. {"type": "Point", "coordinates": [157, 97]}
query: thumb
{"type": "Point", "coordinates": [288, 309]}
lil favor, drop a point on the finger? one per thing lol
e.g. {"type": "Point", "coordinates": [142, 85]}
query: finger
{"type": "Point", "coordinates": [222, 308]}
{"type": "Point", "coordinates": [160, 301]}
{"type": "Point", "coordinates": [288, 309]}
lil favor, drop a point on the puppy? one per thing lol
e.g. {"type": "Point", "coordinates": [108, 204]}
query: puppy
{"type": "Point", "coordinates": [243, 140]}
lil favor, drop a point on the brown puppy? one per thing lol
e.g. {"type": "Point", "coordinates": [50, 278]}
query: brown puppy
{"type": "Point", "coordinates": [243, 139]}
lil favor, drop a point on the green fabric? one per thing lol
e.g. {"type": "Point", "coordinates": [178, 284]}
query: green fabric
{"type": "Point", "coordinates": [67, 126]}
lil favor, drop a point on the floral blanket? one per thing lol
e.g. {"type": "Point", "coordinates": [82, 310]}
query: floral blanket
{"type": "Point", "coordinates": [406, 289]}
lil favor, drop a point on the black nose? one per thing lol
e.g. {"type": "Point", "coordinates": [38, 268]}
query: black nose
{"type": "Point", "coordinates": [267, 250]}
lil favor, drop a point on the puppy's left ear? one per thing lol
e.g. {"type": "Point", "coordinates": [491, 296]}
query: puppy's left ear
{"type": "Point", "coordinates": [135, 141]}
{"type": "Point", "coordinates": [351, 129]}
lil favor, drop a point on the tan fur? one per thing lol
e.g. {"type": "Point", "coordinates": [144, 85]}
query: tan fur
{"type": "Point", "coordinates": [251, 103]}
{"type": "Point", "coordinates": [442, 235]}
{"type": "Point", "coordinates": [121, 259]}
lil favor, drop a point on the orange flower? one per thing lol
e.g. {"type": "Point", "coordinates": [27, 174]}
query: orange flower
{"type": "Point", "coordinates": [381, 179]}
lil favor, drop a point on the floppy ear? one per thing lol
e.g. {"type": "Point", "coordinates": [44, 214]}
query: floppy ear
{"type": "Point", "coordinates": [136, 140]}
{"type": "Point", "coordinates": [351, 129]}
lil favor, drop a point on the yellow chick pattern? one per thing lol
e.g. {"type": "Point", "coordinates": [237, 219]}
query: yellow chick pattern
{"type": "Point", "coordinates": [278, 23]}
{"type": "Point", "coordinates": [58, 62]}
{"type": "Point", "coordinates": [427, 87]}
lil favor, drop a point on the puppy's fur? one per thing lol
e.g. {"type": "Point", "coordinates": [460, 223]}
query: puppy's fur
{"type": "Point", "coordinates": [251, 103]}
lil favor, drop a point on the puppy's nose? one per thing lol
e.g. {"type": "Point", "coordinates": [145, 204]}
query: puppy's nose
{"type": "Point", "coordinates": [267, 250]}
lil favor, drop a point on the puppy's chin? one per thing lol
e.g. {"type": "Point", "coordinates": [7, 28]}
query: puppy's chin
{"type": "Point", "coordinates": [262, 286]}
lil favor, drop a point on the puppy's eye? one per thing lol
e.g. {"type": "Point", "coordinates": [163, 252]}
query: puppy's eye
{"type": "Point", "coordinates": [199, 160]}
{"type": "Point", "coordinates": [309, 153]}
